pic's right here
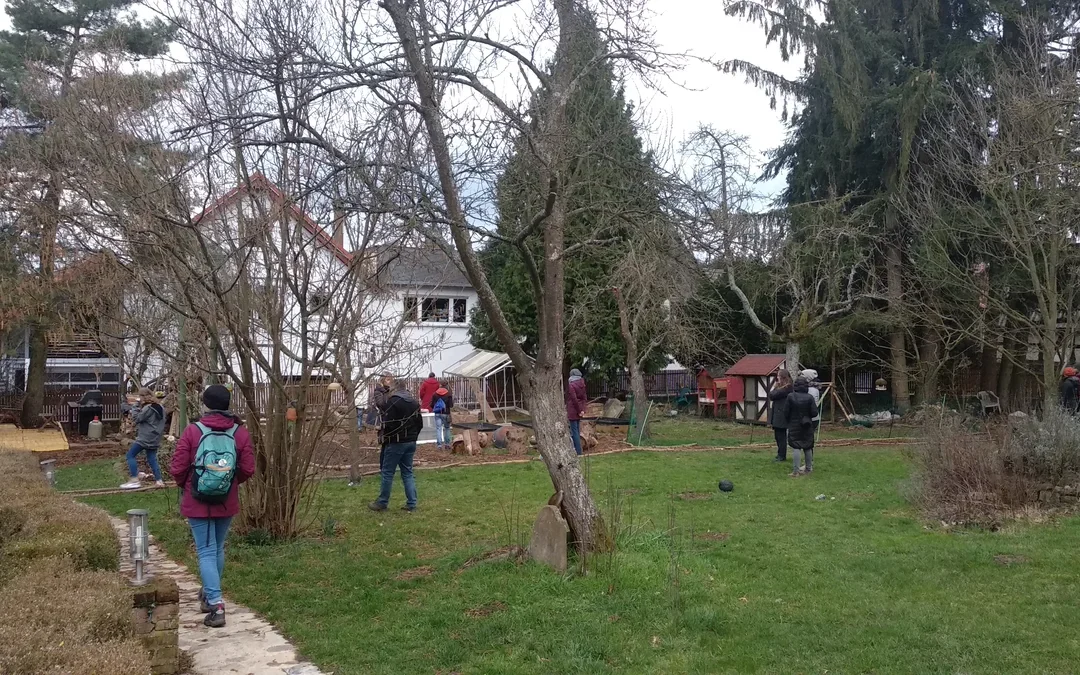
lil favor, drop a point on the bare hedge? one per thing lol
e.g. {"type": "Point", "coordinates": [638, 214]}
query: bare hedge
{"type": "Point", "coordinates": [986, 473]}
{"type": "Point", "coordinates": [63, 608]}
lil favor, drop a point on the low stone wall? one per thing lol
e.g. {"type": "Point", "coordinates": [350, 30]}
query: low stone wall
{"type": "Point", "coordinates": [1059, 495]}
{"type": "Point", "coordinates": [155, 612]}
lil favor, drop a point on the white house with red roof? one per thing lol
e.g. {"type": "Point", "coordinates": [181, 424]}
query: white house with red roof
{"type": "Point", "coordinates": [417, 300]}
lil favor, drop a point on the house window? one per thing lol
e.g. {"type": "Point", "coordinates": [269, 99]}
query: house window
{"type": "Point", "coordinates": [436, 310]}
{"type": "Point", "coordinates": [864, 383]}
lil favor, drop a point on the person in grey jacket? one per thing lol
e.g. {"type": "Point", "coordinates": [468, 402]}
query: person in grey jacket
{"type": "Point", "coordinates": [811, 377]}
{"type": "Point", "coordinates": [149, 428]}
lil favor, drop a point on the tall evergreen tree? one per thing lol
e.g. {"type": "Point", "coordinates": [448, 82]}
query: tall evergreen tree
{"type": "Point", "coordinates": [872, 69]}
{"type": "Point", "coordinates": [612, 186]}
{"type": "Point", "coordinates": [50, 50]}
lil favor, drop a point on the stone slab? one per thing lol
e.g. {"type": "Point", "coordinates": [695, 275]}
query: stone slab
{"type": "Point", "coordinates": [548, 543]}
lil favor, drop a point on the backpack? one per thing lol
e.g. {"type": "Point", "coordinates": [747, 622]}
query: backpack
{"type": "Point", "coordinates": [215, 465]}
{"type": "Point", "coordinates": [440, 407]}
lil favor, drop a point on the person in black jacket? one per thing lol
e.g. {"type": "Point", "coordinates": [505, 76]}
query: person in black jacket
{"type": "Point", "coordinates": [801, 408]}
{"type": "Point", "coordinates": [401, 426]}
{"type": "Point", "coordinates": [778, 413]}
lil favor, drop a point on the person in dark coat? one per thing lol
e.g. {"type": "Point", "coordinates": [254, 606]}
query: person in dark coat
{"type": "Point", "coordinates": [577, 400]}
{"type": "Point", "coordinates": [401, 426]}
{"type": "Point", "coordinates": [1070, 390]}
{"type": "Point", "coordinates": [778, 413]}
{"type": "Point", "coordinates": [800, 409]}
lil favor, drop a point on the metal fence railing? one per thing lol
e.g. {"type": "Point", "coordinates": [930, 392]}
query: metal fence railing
{"type": "Point", "coordinates": [665, 384]}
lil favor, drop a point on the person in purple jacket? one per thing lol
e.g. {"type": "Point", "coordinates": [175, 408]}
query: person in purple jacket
{"type": "Point", "coordinates": [576, 402]}
{"type": "Point", "coordinates": [210, 521]}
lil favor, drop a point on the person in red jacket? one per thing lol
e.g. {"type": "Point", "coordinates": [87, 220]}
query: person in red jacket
{"type": "Point", "coordinates": [427, 391]}
{"type": "Point", "coordinates": [210, 522]}
{"type": "Point", "coordinates": [576, 403]}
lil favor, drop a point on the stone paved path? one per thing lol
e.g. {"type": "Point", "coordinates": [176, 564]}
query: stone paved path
{"type": "Point", "coordinates": [247, 645]}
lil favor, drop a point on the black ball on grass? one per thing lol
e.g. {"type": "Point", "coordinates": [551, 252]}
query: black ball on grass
{"type": "Point", "coordinates": [726, 486]}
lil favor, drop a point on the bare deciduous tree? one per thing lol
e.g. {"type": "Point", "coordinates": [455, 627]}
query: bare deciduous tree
{"type": "Point", "coordinates": [264, 296]}
{"type": "Point", "coordinates": [656, 286]}
{"type": "Point", "coordinates": [818, 257]}
{"type": "Point", "coordinates": [997, 205]}
{"type": "Point", "coordinates": [472, 65]}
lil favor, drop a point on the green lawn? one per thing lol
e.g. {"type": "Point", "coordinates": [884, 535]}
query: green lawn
{"type": "Point", "coordinates": [769, 579]}
{"type": "Point", "coordinates": [709, 432]}
{"type": "Point", "coordinates": [100, 473]}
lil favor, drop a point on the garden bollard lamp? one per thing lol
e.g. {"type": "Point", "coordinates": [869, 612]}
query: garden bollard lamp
{"type": "Point", "coordinates": [139, 542]}
{"type": "Point", "coordinates": [49, 468]}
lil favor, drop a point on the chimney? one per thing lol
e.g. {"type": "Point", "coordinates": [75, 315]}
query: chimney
{"type": "Point", "coordinates": [338, 233]}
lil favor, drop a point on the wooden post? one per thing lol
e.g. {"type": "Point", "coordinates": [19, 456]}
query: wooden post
{"type": "Point", "coordinates": [481, 394]}
{"type": "Point", "coordinates": [832, 399]}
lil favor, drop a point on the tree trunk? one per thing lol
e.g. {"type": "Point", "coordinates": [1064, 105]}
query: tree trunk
{"type": "Point", "coordinates": [791, 360]}
{"type": "Point", "coordinates": [988, 370]}
{"type": "Point", "coordinates": [1005, 373]}
{"type": "Point", "coordinates": [39, 348]}
{"type": "Point", "coordinates": [641, 403]}
{"type": "Point", "coordinates": [897, 342]}
{"type": "Point", "coordinates": [637, 379]}
{"type": "Point", "coordinates": [34, 401]}
{"type": "Point", "coordinates": [543, 379]}
{"type": "Point", "coordinates": [548, 409]}
{"type": "Point", "coordinates": [1050, 373]}
{"type": "Point", "coordinates": [354, 436]}
{"type": "Point", "coordinates": [929, 365]}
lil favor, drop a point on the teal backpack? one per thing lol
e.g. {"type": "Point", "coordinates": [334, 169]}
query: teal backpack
{"type": "Point", "coordinates": [215, 465]}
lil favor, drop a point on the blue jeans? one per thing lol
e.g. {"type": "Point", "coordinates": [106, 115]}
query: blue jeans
{"type": "Point", "coordinates": [395, 456]}
{"type": "Point", "coordinates": [151, 459]}
{"type": "Point", "coordinates": [442, 431]}
{"type": "Point", "coordinates": [209, 535]}
{"type": "Point", "coordinates": [575, 435]}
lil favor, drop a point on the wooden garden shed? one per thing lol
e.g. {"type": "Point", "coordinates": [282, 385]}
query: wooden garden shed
{"type": "Point", "coordinates": [748, 385]}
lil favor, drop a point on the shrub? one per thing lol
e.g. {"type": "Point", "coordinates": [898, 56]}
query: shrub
{"type": "Point", "coordinates": [63, 608]}
{"type": "Point", "coordinates": [983, 475]}
{"type": "Point", "coordinates": [1045, 450]}
{"type": "Point", "coordinates": [49, 524]}
{"type": "Point", "coordinates": [12, 521]}
{"type": "Point", "coordinates": [91, 548]}
{"type": "Point", "coordinates": [56, 618]}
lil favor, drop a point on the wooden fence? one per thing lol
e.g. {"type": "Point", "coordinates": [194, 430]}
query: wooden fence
{"type": "Point", "coordinates": [317, 397]}
{"type": "Point", "coordinates": [56, 403]}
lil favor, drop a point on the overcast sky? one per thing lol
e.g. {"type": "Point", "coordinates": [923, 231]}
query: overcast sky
{"type": "Point", "coordinates": [708, 96]}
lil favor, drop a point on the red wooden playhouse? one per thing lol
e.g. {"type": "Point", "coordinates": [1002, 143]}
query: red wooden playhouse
{"type": "Point", "coordinates": [748, 385]}
{"type": "Point", "coordinates": [712, 390]}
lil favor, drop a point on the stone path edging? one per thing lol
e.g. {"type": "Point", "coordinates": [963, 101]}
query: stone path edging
{"type": "Point", "coordinates": [247, 645]}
